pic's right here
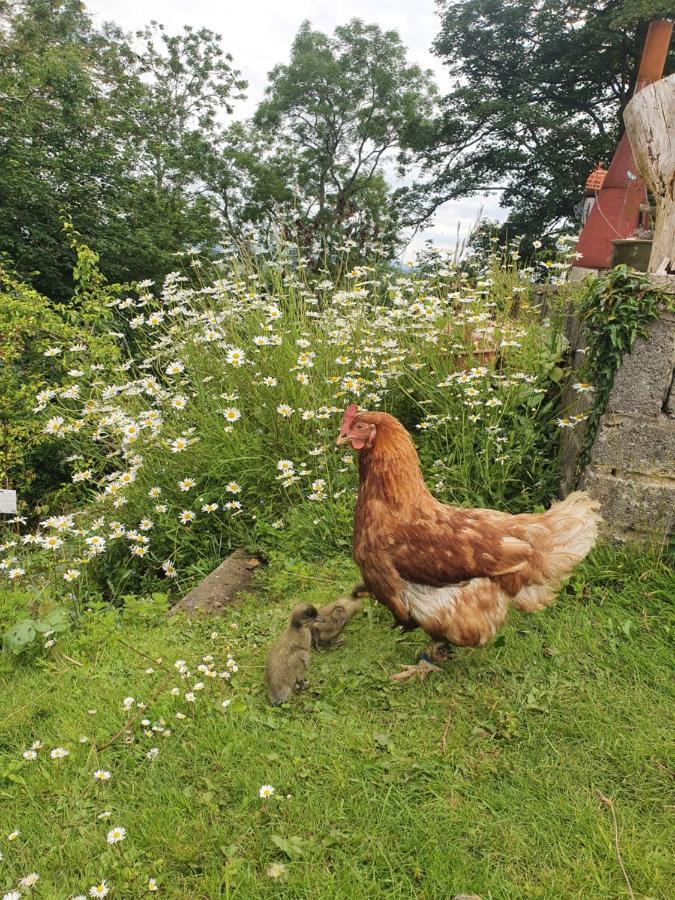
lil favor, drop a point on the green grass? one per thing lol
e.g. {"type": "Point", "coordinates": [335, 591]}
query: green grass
{"type": "Point", "coordinates": [568, 702]}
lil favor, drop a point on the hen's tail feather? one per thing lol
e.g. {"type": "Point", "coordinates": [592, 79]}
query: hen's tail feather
{"type": "Point", "coordinates": [572, 525]}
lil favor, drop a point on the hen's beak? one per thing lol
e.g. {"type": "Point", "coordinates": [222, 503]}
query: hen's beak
{"type": "Point", "coordinates": [341, 439]}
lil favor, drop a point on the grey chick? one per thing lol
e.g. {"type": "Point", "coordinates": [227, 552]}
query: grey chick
{"type": "Point", "coordinates": [336, 615]}
{"type": "Point", "coordinates": [288, 656]}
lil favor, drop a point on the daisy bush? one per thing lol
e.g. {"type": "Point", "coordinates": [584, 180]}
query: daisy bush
{"type": "Point", "coordinates": [216, 426]}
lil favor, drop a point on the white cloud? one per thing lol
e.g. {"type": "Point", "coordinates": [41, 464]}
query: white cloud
{"type": "Point", "coordinates": [259, 33]}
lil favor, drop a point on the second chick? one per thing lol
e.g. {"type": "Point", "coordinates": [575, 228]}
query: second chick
{"type": "Point", "coordinates": [335, 616]}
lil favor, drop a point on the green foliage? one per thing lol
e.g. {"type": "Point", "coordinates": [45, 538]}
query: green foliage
{"type": "Point", "coordinates": [128, 133]}
{"type": "Point", "coordinates": [615, 309]}
{"type": "Point", "coordinates": [538, 93]}
{"type": "Point", "coordinates": [54, 75]}
{"type": "Point", "coordinates": [123, 131]}
{"type": "Point", "coordinates": [25, 634]}
{"type": "Point", "coordinates": [32, 459]}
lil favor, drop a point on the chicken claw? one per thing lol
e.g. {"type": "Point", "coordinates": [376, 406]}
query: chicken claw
{"type": "Point", "coordinates": [421, 670]}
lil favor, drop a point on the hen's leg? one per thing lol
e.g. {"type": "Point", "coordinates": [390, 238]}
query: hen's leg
{"type": "Point", "coordinates": [437, 651]}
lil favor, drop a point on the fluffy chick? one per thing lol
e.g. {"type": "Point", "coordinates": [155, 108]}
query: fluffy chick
{"type": "Point", "coordinates": [288, 656]}
{"type": "Point", "coordinates": [336, 615]}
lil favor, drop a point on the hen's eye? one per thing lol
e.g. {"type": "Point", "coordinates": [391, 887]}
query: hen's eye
{"type": "Point", "coordinates": [359, 424]}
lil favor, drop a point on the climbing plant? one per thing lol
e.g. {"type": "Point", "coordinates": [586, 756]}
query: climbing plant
{"type": "Point", "coordinates": [615, 310]}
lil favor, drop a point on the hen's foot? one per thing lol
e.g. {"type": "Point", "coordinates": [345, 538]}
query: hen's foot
{"type": "Point", "coordinates": [423, 668]}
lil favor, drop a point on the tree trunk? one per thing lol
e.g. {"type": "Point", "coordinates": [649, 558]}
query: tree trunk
{"type": "Point", "coordinates": [650, 123]}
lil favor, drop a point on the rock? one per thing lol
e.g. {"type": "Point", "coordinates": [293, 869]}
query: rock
{"type": "Point", "coordinates": [221, 587]}
{"type": "Point", "coordinates": [466, 897]}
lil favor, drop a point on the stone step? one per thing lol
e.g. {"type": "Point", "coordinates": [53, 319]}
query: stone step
{"type": "Point", "coordinates": [231, 578]}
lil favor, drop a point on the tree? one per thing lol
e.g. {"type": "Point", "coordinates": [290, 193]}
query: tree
{"type": "Point", "coordinates": [53, 150]}
{"type": "Point", "coordinates": [539, 91]}
{"type": "Point", "coordinates": [123, 134]}
{"type": "Point", "coordinates": [173, 100]}
{"type": "Point", "coordinates": [338, 111]}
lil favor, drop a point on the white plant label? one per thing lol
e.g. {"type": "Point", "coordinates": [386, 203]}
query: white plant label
{"type": "Point", "coordinates": [7, 501]}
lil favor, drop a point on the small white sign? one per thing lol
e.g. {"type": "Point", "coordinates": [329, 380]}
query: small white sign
{"type": "Point", "coordinates": [7, 501]}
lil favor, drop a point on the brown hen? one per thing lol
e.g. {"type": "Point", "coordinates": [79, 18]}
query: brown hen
{"type": "Point", "coordinates": [451, 571]}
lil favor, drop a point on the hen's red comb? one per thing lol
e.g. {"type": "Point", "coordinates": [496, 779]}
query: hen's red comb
{"type": "Point", "coordinates": [350, 414]}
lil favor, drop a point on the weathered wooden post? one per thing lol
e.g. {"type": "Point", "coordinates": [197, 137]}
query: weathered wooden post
{"type": "Point", "coordinates": [650, 124]}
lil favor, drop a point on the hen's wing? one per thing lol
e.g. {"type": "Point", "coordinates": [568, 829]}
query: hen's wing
{"type": "Point", "coordinates": [450, 545]}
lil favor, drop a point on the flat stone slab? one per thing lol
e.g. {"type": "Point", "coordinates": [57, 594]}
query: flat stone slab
{"type": "Point", "coordinates": [221, 587]}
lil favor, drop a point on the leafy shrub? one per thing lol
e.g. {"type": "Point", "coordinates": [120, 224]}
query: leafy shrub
{"type": "Point", "coordinates": [26, 633]}
{"type": "Point", "coordinates": [37, 348]}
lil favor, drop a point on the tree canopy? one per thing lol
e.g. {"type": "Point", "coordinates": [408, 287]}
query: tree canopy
{"type": "Point", "coordinates": [132, 136]}
{"type": "Point", "coordinates": [340, 109]}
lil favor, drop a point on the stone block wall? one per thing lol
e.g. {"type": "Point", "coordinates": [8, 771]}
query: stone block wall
{"type": "Point", "coordinates": [632, 466]}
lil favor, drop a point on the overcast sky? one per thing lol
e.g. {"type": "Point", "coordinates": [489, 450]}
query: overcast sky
{"type": "Point", "coordinates": [259, 33]}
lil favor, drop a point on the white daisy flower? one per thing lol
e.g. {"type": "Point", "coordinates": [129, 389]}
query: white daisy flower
{"type": "Point", "coordinates": [59, 753]}
{"type": "Point", "coordinates": [235, 357]}
{"type": "Point", "coordinates": [115, 835]}
{"type": "Point", "coordinates": [54, 425]}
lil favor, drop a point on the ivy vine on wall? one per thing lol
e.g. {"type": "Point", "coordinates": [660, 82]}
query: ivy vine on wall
{"type": "Point", "coordinates": [615, 309]}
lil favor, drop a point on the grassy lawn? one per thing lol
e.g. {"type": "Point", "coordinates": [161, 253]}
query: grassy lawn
{"type": "Point", "coordinates": [481, 780]}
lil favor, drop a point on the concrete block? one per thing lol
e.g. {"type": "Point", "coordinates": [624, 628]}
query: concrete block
{"type": "Point", "coordinates": [642, 383]}
{"type": "Point", "coordinates": [635, 506]}
{"type": "Point", "coordinates": [631, 445]}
